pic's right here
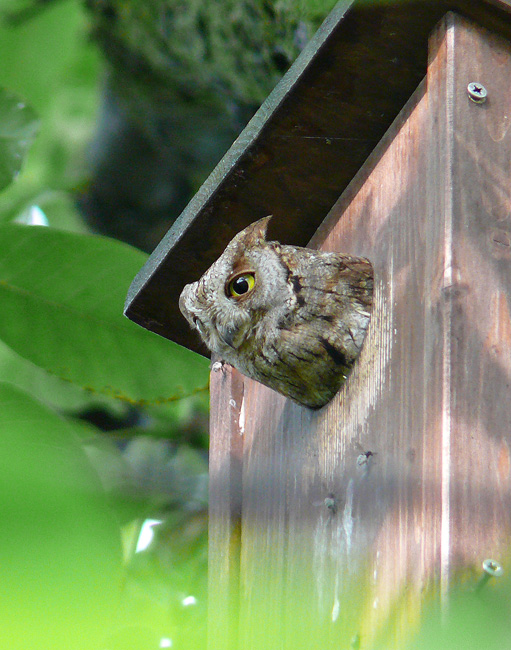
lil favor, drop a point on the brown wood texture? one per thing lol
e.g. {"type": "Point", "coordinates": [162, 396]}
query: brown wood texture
{"type": "Point", "coordinates": [352, 516]}
{"type": "Point", "coordinates": [304, 145]}
{"type": "Point", "coordinates": [226, 460]}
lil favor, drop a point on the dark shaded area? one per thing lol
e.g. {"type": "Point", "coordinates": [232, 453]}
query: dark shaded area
{"type": "Point", "coordinates": [183, 80]}
{"type": "Point", "coordinates": [141, 182]}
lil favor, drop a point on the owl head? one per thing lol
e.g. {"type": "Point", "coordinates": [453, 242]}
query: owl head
{"type": "Point", "coordinates": [292, 318]}
{"type": "Point", "coordinates": [237, 292]}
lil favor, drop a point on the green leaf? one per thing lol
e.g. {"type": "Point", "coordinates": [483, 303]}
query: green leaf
{"type": "Point", "coordinates": [62, 297]}
{"type": "Point", "coordinates": [18, 128]}
{"type": "Point", "coordinates": [63, 396]}
{"type": "Point", "coordinates": [51, 62]}
{"type": "Point", "coordinates": [60, 552]}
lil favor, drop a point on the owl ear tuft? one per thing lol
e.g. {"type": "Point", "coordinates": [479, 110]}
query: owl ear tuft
{"type": "Point", "coordinates": [255, 233]}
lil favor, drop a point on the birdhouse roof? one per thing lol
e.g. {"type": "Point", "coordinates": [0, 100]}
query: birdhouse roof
{"type": "Point", "coordinates": [304, 145]}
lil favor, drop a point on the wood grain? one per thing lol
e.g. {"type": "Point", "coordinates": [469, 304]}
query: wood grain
{"type": "Point", "coordinates": [225, 471]}
{"type": "Point", "coordinates": [353, 515]}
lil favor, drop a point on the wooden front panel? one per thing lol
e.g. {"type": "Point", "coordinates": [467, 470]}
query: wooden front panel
{"type": "Point", "coordinates": [352, 515]}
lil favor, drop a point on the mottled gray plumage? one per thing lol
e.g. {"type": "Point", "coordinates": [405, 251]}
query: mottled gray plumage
{"type": "Point", "coordinates": [292, 318]}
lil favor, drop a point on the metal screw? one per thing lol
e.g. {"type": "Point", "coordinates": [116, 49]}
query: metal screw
{"type": "Point", "coordinates": [492, 569]}
{"type": "Point", "coordinates": [477, 92]}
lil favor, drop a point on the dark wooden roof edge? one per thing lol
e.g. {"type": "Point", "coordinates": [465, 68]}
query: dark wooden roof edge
{"type": "Point", "coordinates": [228, 162]}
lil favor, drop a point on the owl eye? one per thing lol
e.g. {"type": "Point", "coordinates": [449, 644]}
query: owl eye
{"type": "Point", "coordinates": [241, 284]}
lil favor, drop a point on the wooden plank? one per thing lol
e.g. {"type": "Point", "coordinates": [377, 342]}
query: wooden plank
{"type": "Point", "coordinates": [477, 294]}
{"type": "Point", "coordinates": [353, 515]}
{"type": "Point", "coordinates": [303, 146]}
{"type": "Point", "coordinates": [225, 468]}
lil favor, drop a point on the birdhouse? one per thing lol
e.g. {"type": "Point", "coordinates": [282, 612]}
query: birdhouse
{"type": "Point", "coordinates": [389, 138]}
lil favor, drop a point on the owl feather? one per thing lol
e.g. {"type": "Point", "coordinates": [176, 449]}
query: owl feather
{"type": "Point", "coordinates": [292, 318]}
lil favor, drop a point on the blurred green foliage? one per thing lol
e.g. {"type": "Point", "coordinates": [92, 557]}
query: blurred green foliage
{"type": "Point", "coordinates": [60, 550]}
{"type": "Point", "coordinates": [49, 63]}
{"type": "Point", "coordinates": [469, 619]}
{"type": "Point", "coordinates": [18, 128]}
{"type": "Point", "coordinates": [77, 502]}
{"type": "Point", "coordinates": [217, 53]}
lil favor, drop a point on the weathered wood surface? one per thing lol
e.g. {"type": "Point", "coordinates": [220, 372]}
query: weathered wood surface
{"type": "Point", "coordinates": [225, 495]}
{"type": "Point", "coordinates": [304, 145]}
{"type": "Point", "coordinates": [340, 546]}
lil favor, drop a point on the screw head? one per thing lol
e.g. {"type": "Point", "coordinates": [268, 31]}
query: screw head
{"type": "Point", "coordinates": [493, 568]}
{"type": "Point", "coordinates": [477, 92]}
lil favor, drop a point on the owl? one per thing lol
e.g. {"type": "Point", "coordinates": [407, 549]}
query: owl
{"type": "Point", "coordinates": [292, 318]}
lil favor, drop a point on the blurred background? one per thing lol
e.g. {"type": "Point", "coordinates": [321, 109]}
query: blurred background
{"type": "Point", "coordinates": [112, 114]}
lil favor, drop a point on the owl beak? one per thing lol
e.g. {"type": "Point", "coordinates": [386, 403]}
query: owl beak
{"type": "Point", "coordinates": [197, 323]}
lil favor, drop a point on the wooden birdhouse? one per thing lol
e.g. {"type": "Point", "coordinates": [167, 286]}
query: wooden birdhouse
{"type": "Point", "coordinates": [389, 138]}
